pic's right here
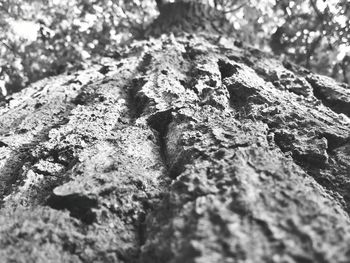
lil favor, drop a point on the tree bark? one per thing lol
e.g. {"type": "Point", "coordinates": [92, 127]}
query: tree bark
{"type": "Point", "coordinates": [189, 17]}
{"type": "Point", "coordinates": [187, 149]}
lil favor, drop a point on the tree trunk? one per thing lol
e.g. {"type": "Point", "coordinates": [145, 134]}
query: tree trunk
{"type": "Point", "coordinates": [187, 149]}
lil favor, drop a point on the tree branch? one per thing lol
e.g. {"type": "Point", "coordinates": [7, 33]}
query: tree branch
{"type": "Point", "coordinates": [311, 49]}
{"type": "Point", "coordinates": [160, 4]}
{"type": "Point", "coordinates": [9, 48]}
{"type": "Point", "coordinates": [235, 9]}
{"type": "Point", "coordinates": [318, 12]}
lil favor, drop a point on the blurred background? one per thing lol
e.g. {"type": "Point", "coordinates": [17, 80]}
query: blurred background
{"type": "Point", "coordinates": [41, 38]}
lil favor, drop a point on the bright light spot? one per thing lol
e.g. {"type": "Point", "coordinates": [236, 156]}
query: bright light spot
{"type": "Point", "coordinates": [341, 20]}
{"type": "Point", "coordinates": [343, 51]}
{"type": "Point", "coordinates": [85, 54]}
{"type": "Point", "coordinates": [312, 34]}
{"type": "Point", "coordinates": [90, 18]}
{"type": "Point", "coordinates": [3, 90]}
{"type": "Point", "coordinates": [236, 25]}
{"type": "Point", "coordinates": [25, 29]}
{"type": "Point", "coordinates": [98, 8]}
{"type": "Point", "coordinates": [288, 11]}
{"type": "Point", "coordinates": [83, 26]}
{"type": "Point", "coordinates": [321, 5]}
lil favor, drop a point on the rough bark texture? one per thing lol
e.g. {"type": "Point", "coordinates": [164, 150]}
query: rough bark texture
{"type": "Point", "coordinates": [187, 149]}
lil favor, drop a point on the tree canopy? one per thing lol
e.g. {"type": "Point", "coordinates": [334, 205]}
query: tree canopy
{"type": "Point", "coordinates": [41, 38]}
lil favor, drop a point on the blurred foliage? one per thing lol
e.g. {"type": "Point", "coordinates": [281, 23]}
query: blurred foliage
{"type": "Point", "coordinates": [41, 38]}
{"type": "Point", "coordinates": [61, 35]}
{"type": "Point", "coordinates": [311, 33]}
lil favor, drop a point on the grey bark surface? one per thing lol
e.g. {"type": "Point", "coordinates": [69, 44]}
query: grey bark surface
{"type": "Point", "coordinates": [187, 149]}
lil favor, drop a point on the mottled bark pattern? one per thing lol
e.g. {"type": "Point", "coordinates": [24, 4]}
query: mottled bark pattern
{"type": "Point", "coordinates": [188, 149]}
